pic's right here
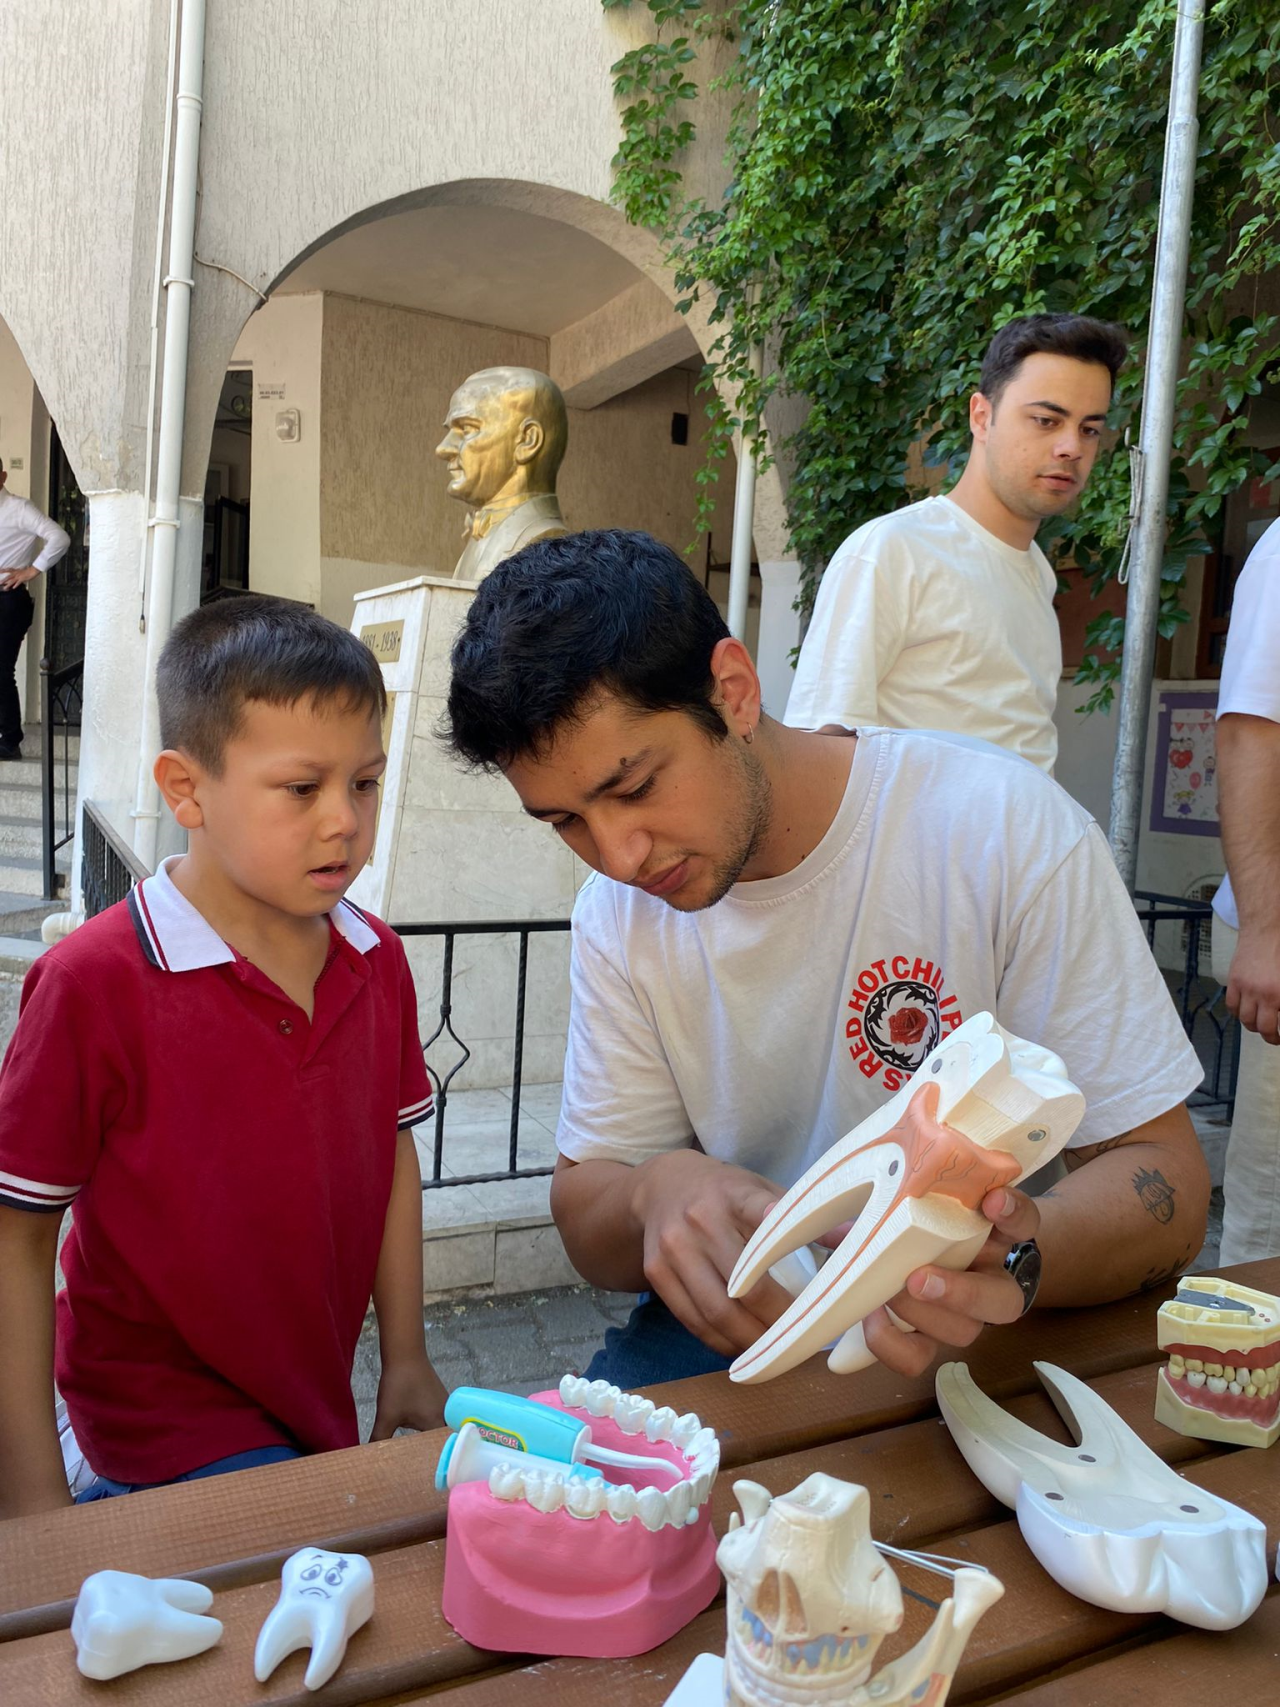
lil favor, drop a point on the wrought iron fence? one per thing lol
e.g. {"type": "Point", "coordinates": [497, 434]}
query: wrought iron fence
{"type": "Point", "coordinates": [1209, 1025]}
{"type": "Point", "coordinates": [109, 868]}
{"type": "Point", "coordinates": [449, 933]}
{"type": "Point", "coordinates": [61, 704]}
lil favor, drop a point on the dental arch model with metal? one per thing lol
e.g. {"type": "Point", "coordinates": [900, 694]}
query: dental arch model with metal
{"type": "Point", "coordinates": [1107, 1518]}
{"type": "Point", "coordinates": [810, 1599]}
{"type": "Point", "coordinates": [1222, 1380]}
{"type": "Point", "coordinates": [560, 1560]}
{"type": "Point", "coordinates": [985, 1109]}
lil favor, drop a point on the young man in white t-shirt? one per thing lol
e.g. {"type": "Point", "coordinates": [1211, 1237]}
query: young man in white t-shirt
{"type": "Point", "coordinates": [783, 925]}
{"type": "Point", "coordinates": [940, 615]}
{"type": "Point", "coordinates": [1246, 928]}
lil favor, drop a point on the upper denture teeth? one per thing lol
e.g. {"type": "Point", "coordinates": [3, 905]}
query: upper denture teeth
{"type": "Point", "coordinates": [685, 1429]}
{"type": "Point", "coordinates": [573, 1391]}
{"type": "Point", "coordinates": [630, 1411]}
{"type": "Point", "coordinates": [602, 1396]}
{"type": "Point", "coordinates": [1258, 1377]}
{"type": "Point", "coordinates": [658, 1426]}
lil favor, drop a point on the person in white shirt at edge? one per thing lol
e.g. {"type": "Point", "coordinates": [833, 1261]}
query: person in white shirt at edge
{"type": "Point", "coordinates": [21, 525]}
{"type": "Point", "coordinates": [1246, 924]}
{"type": "Point", "coordinates": [783, 925]}
{"type": "Point", "coordinates": [940, 615]}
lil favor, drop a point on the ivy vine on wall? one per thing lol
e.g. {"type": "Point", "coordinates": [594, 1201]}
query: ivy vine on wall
{"type": "Point", "coordinates": [905, 177]}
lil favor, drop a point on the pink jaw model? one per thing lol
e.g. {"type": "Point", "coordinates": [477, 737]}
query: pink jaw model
{"type": "Point", "coordinates": [985, 1109]}
{"type": "Point", "coordinates": [541, 1564]}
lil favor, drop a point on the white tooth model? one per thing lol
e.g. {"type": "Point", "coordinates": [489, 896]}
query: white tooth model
{"type": "Point", "coordinates": [546, 1561]}
{"type": "Point", "coordinates": [984, 1110]}
{"type": "Point", "coordinates": [1222, 1380]}
{"type": "Point", "coordinates": [1106, 1518]}
{"type": "Point", "coordinates": [811, 1599]}
{"type": "Point", "coordinates": [123, 1621]}
{"type": "Point", "coordinates": [324, 1600]}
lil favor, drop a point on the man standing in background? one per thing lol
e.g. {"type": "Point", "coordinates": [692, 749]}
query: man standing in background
{"type": "Point", "coordinates": [21, 525]}
{"type": "Point", "coordinates": [940, 615]}
{"type": "Point", "coordinates": [1246, 924]}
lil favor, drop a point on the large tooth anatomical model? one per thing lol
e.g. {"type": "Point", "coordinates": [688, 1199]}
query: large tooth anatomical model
{"type": "Point", "coordinates": [810, 1599]}
{"type": "Point", "coordinates": [1222, 1380]}
{"type": "Point", "coordinates": [324, 1599]}
{"type": "Point", "coordinates": [1106, 1518]}
{"type": "Point", "coordinates": [540, 1562]}
{"type": "Point", "coordinates": [984, 1110]}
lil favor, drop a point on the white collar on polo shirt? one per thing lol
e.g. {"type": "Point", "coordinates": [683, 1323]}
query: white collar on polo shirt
{"type": "Point", "coordinates": [178, 938]}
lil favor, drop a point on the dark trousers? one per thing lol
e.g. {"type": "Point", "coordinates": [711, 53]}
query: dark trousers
{"type": "Point", "coordinates": [16, 611]}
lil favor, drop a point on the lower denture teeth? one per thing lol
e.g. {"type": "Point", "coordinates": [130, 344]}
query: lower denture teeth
{"type": "Point", "coordinates": [1216, 1384]}
{"type": "Point", "coordinates": [651, 1508]}
{"type": "Point", "coordinates": [1196, 1377]}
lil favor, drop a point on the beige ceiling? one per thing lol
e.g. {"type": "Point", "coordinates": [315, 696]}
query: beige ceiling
{"type": "Point", "coordinates": [487, 265]}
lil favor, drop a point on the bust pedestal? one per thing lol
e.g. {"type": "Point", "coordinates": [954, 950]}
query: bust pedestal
{"type": "Point", "coordinates": [453, 846]}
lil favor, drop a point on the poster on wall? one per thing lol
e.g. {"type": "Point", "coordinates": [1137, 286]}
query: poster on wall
{"type": "Point", "coordinates": [1184, 795]}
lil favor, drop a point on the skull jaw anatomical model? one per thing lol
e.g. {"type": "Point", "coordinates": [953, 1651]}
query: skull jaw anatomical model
{"type": "Point", "coordinates": [984, 1110]}
{"type": "Point", "coordinates": [810, 1599]}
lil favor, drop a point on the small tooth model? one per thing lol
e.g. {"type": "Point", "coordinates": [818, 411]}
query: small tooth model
{"type": "Point", "coordinates": [1107, 1518]}
{"type": "Point", "coordinates": [324, 1600]}
{"type": "Point", "coordinates": [122, 1621]}
{"type": "Point", "coordinates": [811, 1599]}
{"type": "Point", "coordinates": [1222, 1380]}
{"type": "Point", "coordinates": [984, 1110]}
{"type": "Point", "coordinates": [544, 1555]}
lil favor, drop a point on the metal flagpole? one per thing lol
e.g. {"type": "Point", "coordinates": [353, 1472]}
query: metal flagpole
{"type": "Point", "coordinates": [1164, 349]}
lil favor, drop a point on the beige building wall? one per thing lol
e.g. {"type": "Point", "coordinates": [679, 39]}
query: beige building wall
{"type": "Point", "coordinates": [282, 343]}
{"type": "Point", "coordinates": [24, 450]}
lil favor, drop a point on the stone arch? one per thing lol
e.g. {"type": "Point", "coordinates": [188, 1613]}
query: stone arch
{"type": "Point", "coordinates": [226, 317]}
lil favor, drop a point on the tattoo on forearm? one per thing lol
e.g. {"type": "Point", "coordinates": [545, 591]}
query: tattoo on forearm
{"type": "Point", "coordinates": [1154, 1280]}
{"type": "Point", "coordinates": [1073, 1159]}
{"type": "Point", "coordinates": [1155, 1194]}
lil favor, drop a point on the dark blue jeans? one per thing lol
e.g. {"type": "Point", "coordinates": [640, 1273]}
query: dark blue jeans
{"type": "Point", "coordinates": [652, 1347]}
{"type": "Point", "coordinates": [103, 1488]}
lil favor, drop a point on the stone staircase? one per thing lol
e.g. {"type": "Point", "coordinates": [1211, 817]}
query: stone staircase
{"type": "Point", "coordinates": [23, 903]}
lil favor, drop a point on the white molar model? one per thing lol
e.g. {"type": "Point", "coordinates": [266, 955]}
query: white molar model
{"type": "Point", "coordinates": [1107, 1518]}
{"type": "Point", "coordinates": [324, 1600]}
{"type": "Point", "coordinates": [122, 1621]}
{"type": "Point", "coordinates": [544, 1560]}
{"type": "Point", "coordinates": [984, 1110]}
{"type": "Point", "coordinates": [810, 1599]}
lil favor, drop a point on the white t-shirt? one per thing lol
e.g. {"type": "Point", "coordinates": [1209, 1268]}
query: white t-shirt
{"type": "Point", "coordinates": [954, 879]}
{"type": "Point", "coordinates": [1251, 664]}
{"type": "Point", "coordinates": [924, 620]}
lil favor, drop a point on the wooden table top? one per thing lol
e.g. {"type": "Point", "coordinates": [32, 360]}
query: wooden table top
{"type": "Point", "coordinates": [1039, 1645]}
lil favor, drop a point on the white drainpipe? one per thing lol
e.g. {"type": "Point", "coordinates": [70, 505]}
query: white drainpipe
{"type": "Point", "coordinates": [744, 512]}
{"type": "Point", "coordinates": [178, 286]}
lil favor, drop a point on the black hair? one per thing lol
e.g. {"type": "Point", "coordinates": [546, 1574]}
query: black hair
{"type": "Point", "coordinates": [566, 618]}
{"type": "Point", "coordinates": [1074, 335]}
{"type": "Point", "coordinates": [255, 648]}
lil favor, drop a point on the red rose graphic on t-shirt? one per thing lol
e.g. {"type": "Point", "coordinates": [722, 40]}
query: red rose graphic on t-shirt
{"type": "Point", "coordinates": [908, 1026]}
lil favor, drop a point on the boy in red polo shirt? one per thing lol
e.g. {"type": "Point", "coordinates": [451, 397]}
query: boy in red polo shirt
{"type": "Point", "coordinates": [221, 1073]}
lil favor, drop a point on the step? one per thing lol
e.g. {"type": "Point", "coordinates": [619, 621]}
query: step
{"type": "Point", "coordinates": [23, 915]}
{"type": "Point", "coordinates": [33, 742]}
{"type": "Point", "coordinates": [22, 875]}
{"type": "Point", "coordinates": [20, 837]}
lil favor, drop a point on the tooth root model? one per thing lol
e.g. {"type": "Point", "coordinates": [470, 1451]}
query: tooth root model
{"type": "Point", "coordinates": [1106, 1518]}
{"type": "Point", "coordinates": [122, 1621]}
{"type": "Point", "coordinates": [1222, 1380]}
{"type": "Point", "coordinates": [324, 1600]}
{"type": "Point", "coordinates": [544, 1559]}
{"type": "Point", "coordinates": [810, 1599]}
{"type": "Point", "coordinates": [985, 1109]}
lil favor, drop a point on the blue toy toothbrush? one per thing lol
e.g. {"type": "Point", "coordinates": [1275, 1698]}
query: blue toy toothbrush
{"type": "Point", "coordinates": [523, 1425]}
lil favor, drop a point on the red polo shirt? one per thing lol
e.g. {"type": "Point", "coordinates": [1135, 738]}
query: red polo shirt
{"type": "Point", "coordinates": [230, 1164]}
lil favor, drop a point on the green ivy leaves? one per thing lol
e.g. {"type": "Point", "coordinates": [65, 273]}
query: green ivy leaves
{"type": "Point", "coordinates": [906, 175]}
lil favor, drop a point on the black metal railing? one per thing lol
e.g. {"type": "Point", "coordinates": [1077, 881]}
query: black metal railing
{"type": "Point", "coordinates": [109, 868]}
{"type": "Point", "coordinates": [61, 703]}
{"type": "Point", "coordinates": [1210, 1026]}
{"type": "Point", "coordinates": [440, 1082]}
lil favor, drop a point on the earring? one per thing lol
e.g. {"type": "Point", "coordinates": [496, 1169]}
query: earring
{"type": "Point", "coordinates": [749, 736]}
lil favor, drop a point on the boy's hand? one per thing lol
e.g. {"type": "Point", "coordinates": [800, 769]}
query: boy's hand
{"type": "Point", "coordinates": [410, 1395]}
